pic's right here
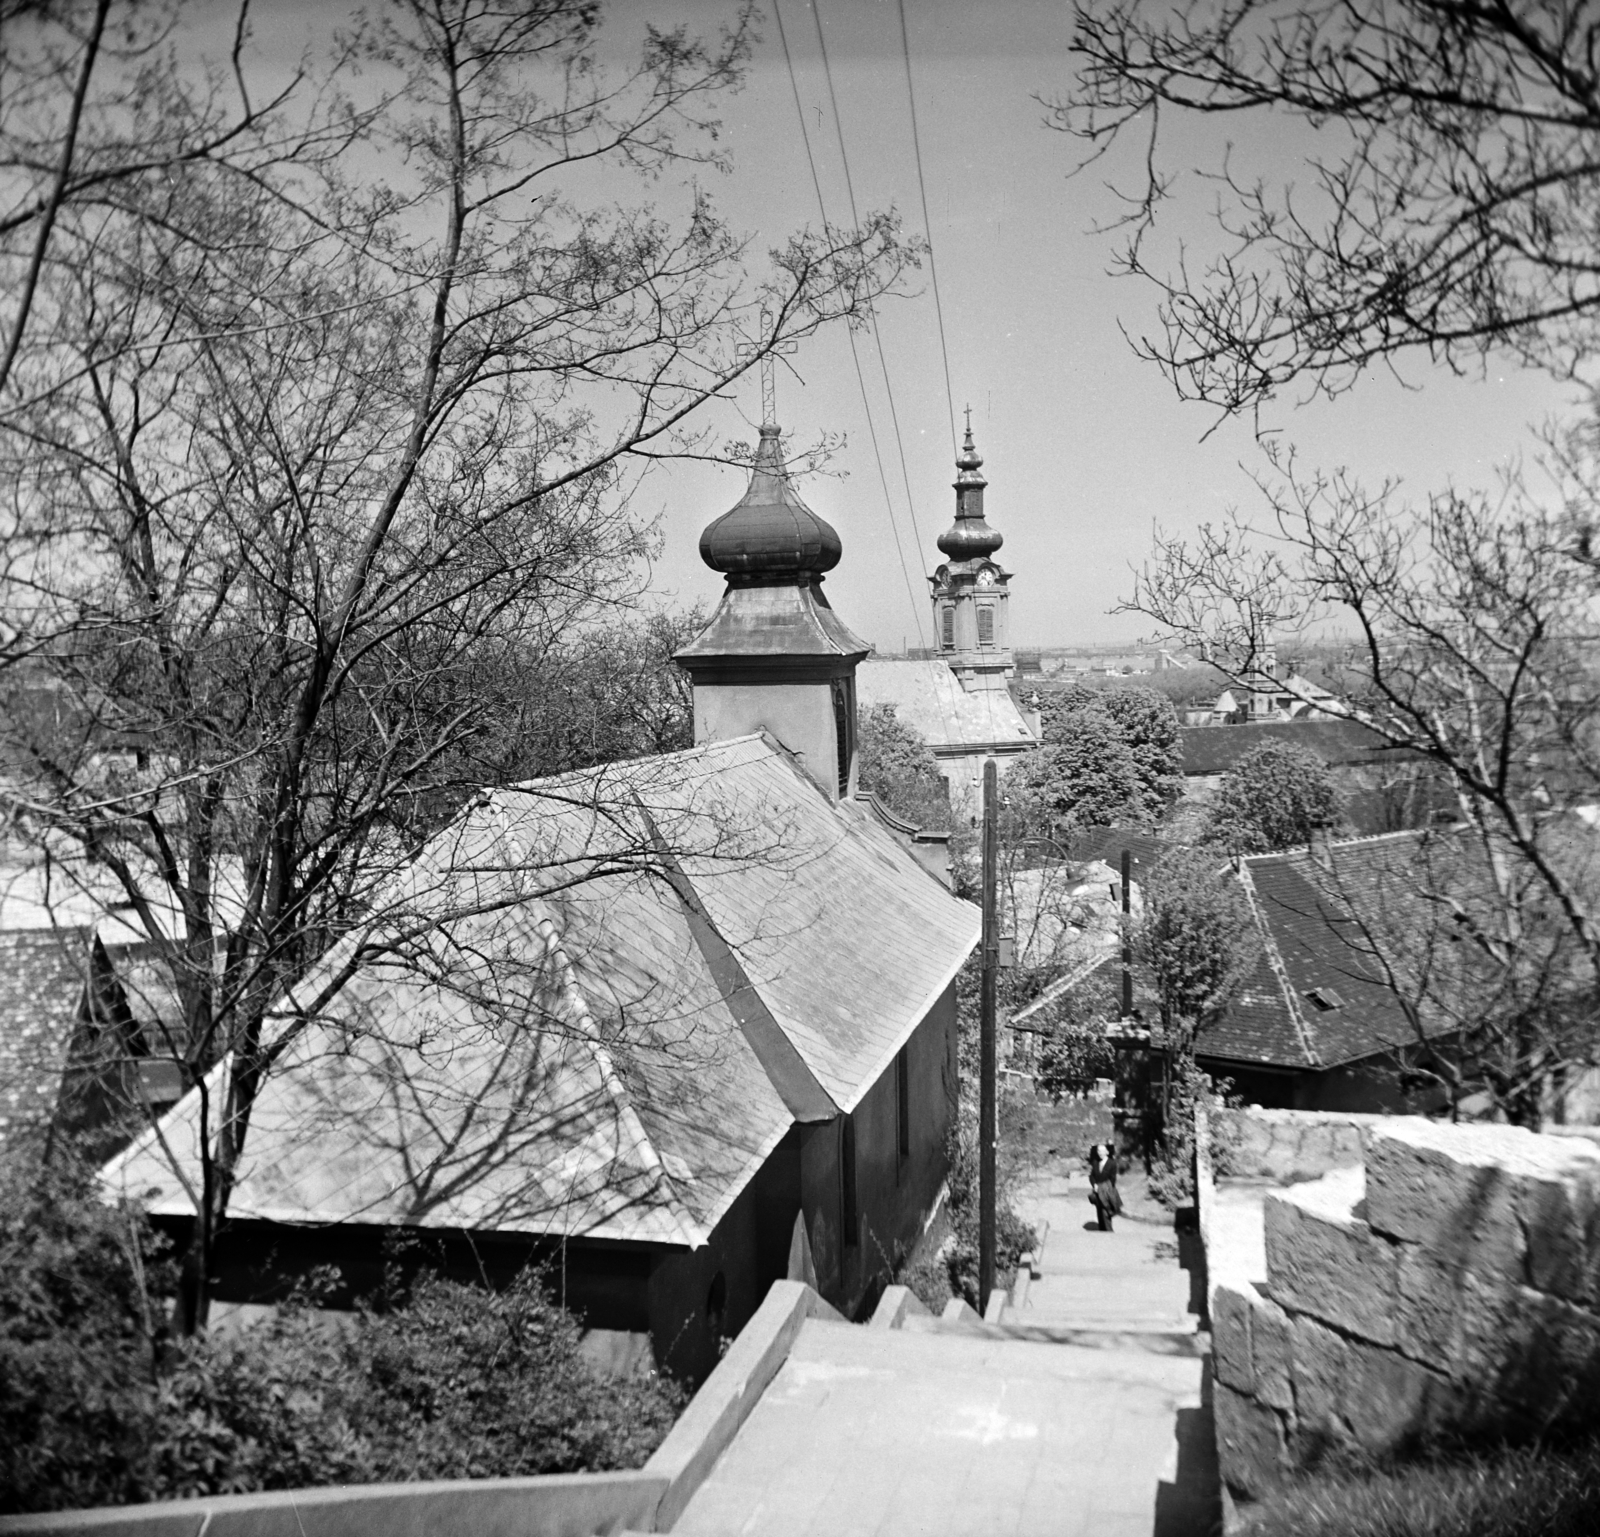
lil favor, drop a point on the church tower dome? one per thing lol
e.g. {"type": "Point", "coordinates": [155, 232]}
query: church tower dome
{"type": "Point", "coordinates": [775, 656]}
{"type": "Point", "coordinates": [971, 591]}
{"type": "Point", "coordinates": [770, 534]}
{"type": "Point", "coordinates": [969, 537]}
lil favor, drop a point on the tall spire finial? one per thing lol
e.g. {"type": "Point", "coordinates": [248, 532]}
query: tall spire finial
{"type": "Point", "coordinates": [969, 421]}
{"type": "Point", "coordinates": [769, 388]}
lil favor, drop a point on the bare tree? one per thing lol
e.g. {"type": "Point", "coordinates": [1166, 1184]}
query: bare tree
{"type": "Point", "coordinates": [1452, 214]}
{"type": "Point", "coordinates": [1450, 208]}
{"type": "Point", "coordinates": [301, 429]}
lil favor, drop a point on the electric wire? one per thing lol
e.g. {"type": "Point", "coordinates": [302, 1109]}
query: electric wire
{"type": "Point", "coordinates": [927, 227]}
{"type": "Point", "coordinates": [883, 363]}
{"type": "Point", "coordinates": [861, 383]}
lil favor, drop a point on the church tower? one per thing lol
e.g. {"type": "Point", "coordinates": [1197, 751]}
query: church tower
{"type": "Point", "coordinates": [775, 656]}
{"type": "Point", "coordinates": [970, 596]}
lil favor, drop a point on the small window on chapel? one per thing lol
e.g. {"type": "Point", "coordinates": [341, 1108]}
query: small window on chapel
{"type": "Point", "coordinates": [947, 633]}
{"type": "Point", "coordinates": [985, 624]}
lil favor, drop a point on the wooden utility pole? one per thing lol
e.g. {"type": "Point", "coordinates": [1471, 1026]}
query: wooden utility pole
{"type": "Point", "coordinates": [986, 1051]}
{"type": "Point", "coordinates": [1127, 934]}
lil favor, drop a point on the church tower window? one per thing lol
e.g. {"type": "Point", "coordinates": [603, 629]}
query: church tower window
{"type": "Point", "coordinates": [985, 624]}
{"type": "Point", "coordinates": [947, 623]}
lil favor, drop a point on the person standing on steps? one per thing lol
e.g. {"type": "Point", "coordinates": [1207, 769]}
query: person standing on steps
{"type": "Point", "coordinates": [1103, 1184]}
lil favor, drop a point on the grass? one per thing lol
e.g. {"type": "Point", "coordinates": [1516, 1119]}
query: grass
{"type": "Point", "coordinates": [1525, 1491]}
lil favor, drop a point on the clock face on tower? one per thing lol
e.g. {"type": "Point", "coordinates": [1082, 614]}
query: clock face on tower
{"type": "Point", "coordinates": [986, 579]}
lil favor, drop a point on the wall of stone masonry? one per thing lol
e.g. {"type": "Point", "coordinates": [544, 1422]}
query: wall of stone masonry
{"type": "Point", "coordinates": [1286, 1146]}
{"type": "Point", "coordinates": [1449, 1282]}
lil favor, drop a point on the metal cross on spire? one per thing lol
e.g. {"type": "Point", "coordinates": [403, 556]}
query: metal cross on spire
{"type": "Point", "coordinates": [969, 421]}
{"type": "Point", "coordinates": [769, 388]}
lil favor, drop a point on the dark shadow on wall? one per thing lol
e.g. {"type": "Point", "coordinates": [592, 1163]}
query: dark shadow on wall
{"type": "Point", "coordinates": [1191, 1505]}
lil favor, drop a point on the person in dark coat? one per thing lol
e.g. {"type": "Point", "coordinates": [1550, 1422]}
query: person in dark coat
{"type": "Point", "coordinates": [1103, 1184]}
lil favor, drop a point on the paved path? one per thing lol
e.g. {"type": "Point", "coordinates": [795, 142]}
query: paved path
{"type": "Point", "coordinates": [1128, 1278]}
{"type": "Point", "coordinates": [911, 1434]}
{"type": "Point", "coordinates": [1081, 1415]}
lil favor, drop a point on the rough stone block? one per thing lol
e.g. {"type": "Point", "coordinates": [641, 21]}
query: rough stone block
{"type": "Point", "coordinates": [1388, 1402]}
{"type": "Point", "coordinates": [1230, 1337]}
{"type": "Point", "coordinates": [1321, 1363]}
{"type": "Point", "coordinates": [1272, 1354]}
{"type": "Point", "coordinates": [1324, 1260]}
{"type": "Point", "coordinates": [1532, 1351]}
{"type": "Point", "coordinates": [1492, 1200]}
{"type": "Point", "coordinates": [1560, 1215]}
{"type": "Point", "coordinates": [1250, 1442]}
{"type": "Point", "coordinates": [1428, 1307]}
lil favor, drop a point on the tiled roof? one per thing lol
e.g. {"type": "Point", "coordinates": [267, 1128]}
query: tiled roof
{"type": "Point", "coordinates": [929, 698]}
{"type": "Point", "coordinates": [1215, 749]}
{"type": "Point", "coordinates": [1320, 920]}
{"type": "Point", "coordinates": [42, 975]}
{"type": "Point", "coordinates": [575, 1057]}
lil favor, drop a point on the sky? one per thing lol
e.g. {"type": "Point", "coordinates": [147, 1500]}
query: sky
{"type": "Point", "coordinates": [1086, 448]}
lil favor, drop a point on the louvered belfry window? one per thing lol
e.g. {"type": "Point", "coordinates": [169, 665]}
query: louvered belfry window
{"type": "Point", "coordinates": [947, 620]}
{"type": "Point", "coordinates": [985, 624]}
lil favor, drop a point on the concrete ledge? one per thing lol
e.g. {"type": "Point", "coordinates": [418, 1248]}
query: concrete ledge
{"type": "Point", "coordinates": [553, 1505]}
{"type": "Point", "coordinates": [995, 1312]}
{"type": "Point", "coordinates": [896, 1305]}
{"type": "Point", "coordinates": [722, 1405]}
{"type": "Point", "coordinates": [958, 1312]}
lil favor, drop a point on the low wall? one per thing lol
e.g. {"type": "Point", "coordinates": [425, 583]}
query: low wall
{"type": "Point", "coordinates": [1286, 1146]}
{"type": "Point", "coordinates": [554, 1505]}
{"type": "Point", "coordinates": [1446, 1283]}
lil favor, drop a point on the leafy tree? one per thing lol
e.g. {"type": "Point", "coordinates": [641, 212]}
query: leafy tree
{"type": "Point", "coordinates": [1277, 796]}
{"type": "Point", "coordinates": [1148, 724]}
{"type": "Point", "coordinates": [896, 764]}
{"type": "Point", "coordinates": [1196, 937]}
{"type": "Point", "coordinates": [317, 420]}
{"type": "Point", "coordinates": [1088, 777]}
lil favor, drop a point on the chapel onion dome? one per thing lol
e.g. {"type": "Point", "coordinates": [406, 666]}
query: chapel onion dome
{"type": "Point", "coordinates": [770, 535]}
{"type": "Point", "coordinates": [969, 537]}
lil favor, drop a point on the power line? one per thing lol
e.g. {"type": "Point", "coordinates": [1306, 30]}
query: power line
{"type": "Point", "coordinates": [861, 383]}
{"type": "Point", "coordinates": [927, 227]}
{"type": "Point", "coordinates": [883, 362]}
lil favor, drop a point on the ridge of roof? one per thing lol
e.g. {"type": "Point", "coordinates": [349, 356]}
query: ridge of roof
{"type": "Point", "coordinates": [694, 1234]}
{"type": "Point", "coordinates": [1274, 960]}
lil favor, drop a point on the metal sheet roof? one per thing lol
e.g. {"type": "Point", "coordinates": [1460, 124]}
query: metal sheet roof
{"type": "Point", "coordinates": [929, 698]}
{"type": "Point", "coordinates": [562, 1057]}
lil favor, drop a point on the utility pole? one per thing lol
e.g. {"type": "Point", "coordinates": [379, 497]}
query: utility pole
{"type": "Point", "coordinates": [986, 1052]}
{"type": "Point", "coordinates": [1127, 934]}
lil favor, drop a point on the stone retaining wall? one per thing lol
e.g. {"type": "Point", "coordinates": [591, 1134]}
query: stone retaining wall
{"type": "Point", "coordinates": [1448, 1282]}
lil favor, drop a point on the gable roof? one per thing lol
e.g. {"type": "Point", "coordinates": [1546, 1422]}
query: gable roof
{"type": "Point", "coordinates": [1215, 749]}
{"type": "Point", "coordinates": [929, 698]}
{"type": "Point", "coordinates": [42, 977]}
{"type": "Point", "coordinates": [584, 1042]}
{"type": "Point", "coordinates": [1319, 920]}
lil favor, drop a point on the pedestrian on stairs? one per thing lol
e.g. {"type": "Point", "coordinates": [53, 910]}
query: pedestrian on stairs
{"type": "Point", "coordinates": [1103, 1184]}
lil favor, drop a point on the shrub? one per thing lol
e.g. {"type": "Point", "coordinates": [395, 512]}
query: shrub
{"type": "Point", "coordinates": [447, 1381]}
{"type": "Point", "coordinates": [79, 1337]}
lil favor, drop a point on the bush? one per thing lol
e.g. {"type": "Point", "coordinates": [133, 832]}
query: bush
{"type": "Point", "coordinates": [80, 1334]}
{"type": "Point", "coordinates": [447, 1381]}
{"type": "Point", "coordinates": [1013, 1236]}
